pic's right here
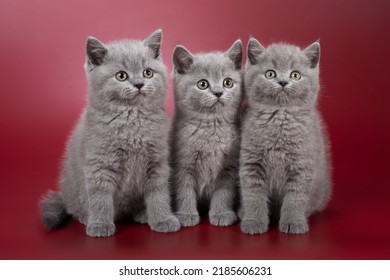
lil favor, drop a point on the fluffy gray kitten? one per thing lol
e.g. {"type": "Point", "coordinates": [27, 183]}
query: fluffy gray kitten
{"type": "Point", "coordinates": [284, 164]}
{"type": "Point", "coordinates": [116, 161]}
{"type": "Point", "coordinates": [205, 136]}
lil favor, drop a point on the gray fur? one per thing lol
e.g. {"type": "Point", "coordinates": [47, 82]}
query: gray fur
{"type": "Point", "coordinates": [53, 210]}
{"type": "Point", "coordinates": [284, 160]}
{"type": "Point", "coordinates": [116, 160]}
{"type": "Point", "coordinates": [205, 134]}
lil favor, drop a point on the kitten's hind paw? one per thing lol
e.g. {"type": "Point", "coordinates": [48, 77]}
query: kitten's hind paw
{"type": "Point", "coordinates": [100, 229]}
{"type": "Point", "coordinates": [225, 219]}
{"type": "Point", "coordinates": [141, 218]}
{"type": "Point", "coordinates": [188, 220]}
{"type": "Point", "coordinates": [251, 226]}
{"type": "Point", "coordinates": [169, 225]}
{"type": "Point", "coordinates": [293, 226]}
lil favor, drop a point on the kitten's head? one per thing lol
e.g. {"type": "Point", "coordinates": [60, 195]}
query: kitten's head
{"type": "Point", "coordinates": [210, 83]}
{"type": "Point", "coordinates": [126, 72]}
{"type": "Point", "coordinates": [282, 75]}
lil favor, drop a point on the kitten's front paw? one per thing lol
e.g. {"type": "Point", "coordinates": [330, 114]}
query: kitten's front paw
{"type": "Point", "coordinates": [293, 226]}
{"type": "Point", "coordinates": [100, 229]}
{"type": "Point", "coordinates": [251, 226]}
{"type": "Point", "coordinates": [225, 219]}
{"type": "Point", "coordinates": [188, 220]}
{"type": "Point", "coordinates": [169, 225]}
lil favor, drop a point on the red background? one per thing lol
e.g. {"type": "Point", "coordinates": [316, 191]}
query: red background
{"type": "Point", "coordinates": [43, 89]}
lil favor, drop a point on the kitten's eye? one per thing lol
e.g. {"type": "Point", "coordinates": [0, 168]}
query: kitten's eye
{"type": "Point", "coordinates": [121, 76]}
{"type": "Point", "coordinates": [295, 75]}
{"type": "Point", "coordinates": [270, 74]}
{"type": "Point", "coordinates": [148, 73]}
{"type": "Point", "coordinates": [203, 84]}
{"type": "Point", "coordinates": [228, 83]}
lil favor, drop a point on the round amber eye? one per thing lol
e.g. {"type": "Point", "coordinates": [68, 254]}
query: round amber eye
{"type": "Point", "coordinates": [295, 75]}
{"type": "Point", "coordinates": [148, 73]}
{"type": "Point", "coordinates": [270, 74]}
{"type": "Point", "coordinates": [121, 76]}
{"type": "Point", "coordinates": [228, 83]}
{"type": "Point", "coordinates": [203, 84]}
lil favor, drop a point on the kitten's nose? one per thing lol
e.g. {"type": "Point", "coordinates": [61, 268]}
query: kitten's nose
{"type": "Point", "coordinates": [282, 83]}
{"type": "Point", "coordinates": [139, 85]}
{"type": "Point", "coordinates": [218, 94]}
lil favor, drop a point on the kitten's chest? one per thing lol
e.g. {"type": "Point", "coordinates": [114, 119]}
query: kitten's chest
{"type": "Point", "coordinates": [284, 140]}
{"type": "Point", "coordinates": [132, 131]}
{"type": "Point", "coordinates": [282, 132]}
{"type": "Point", "coordinates": [209, 146]}
{"type": "Point", "coordinates": [135, 136]}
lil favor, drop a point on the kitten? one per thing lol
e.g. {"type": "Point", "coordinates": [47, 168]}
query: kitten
{"type": "Point", "coordinates": [205, 136]}
{"type": "Point", "coordinates": [116, 161]}
{"type": "Point", "coordinates": [284, 161]}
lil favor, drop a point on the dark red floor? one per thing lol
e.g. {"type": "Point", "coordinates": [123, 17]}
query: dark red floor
{"type": "Point", "coordinates": [353, 227]}
{"type": "Point", "coordinates": [42, 91]}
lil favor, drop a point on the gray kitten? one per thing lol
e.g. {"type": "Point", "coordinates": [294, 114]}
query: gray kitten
{"type": "Point", "coordinates": [116, 161]}
{"type": "Point", "coordinates": [284, 164]}
{"type": "Point", "coordinates": [205, 136]}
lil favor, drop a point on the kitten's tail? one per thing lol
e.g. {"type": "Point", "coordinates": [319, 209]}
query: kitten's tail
{"type": "Point", "coordinates": [53, 212]}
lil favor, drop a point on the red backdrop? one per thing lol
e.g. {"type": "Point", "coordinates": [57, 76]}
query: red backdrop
{"type": "Point", "coordinates": [43, 89]}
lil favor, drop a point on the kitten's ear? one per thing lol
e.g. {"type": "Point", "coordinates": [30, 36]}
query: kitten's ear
{"type": "Point", "coordinates": [312, 52]}
{"type": "Point", "coordinates": [255, 49]}
{"type": "Point", "coordinates": [154, 43]}
{"type": "Point", "coordinates": [95, 50]}
{"type": "Point", "coordinates": [235, 54]}
{"type": "Point", "coordinates": [182, 59]}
